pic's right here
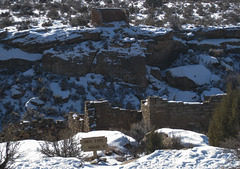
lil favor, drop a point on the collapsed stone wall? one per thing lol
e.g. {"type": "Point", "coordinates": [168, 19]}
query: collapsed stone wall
{"type": "Point", "coordinates": [38, 129]}
{"type": "Point", "coordinates": [159, 112]}
{"type": "Point", "coordinates": [104, 117]}
{"type": "Point", "coordinates": [193, 116]}
{"type": "Point", "coordinates": [99, 115]}
{"type": "Point", "coordinates": [76, 122]}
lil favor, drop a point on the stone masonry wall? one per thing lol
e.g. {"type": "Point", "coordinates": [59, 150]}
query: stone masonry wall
{"type": "Point", "coordinates": [76, 122]}
{"type": "Point", "coordinates": [37, 129]}
{"type": "Point", "coordinates": [99, 115]}
{"type": "Point", "coordinates": [101, 16]}
{"type": "Point", "coordinates": [185, 115]}
{"type": "Point", "coordinates": [103, 117]}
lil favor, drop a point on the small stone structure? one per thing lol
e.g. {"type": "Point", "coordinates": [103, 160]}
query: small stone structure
{"type": "Point", "coordinates": [193, 116]}
{"type": "Point", "coordinates": [104, 117]}
{"type": "Point", "coordinates": [101, 16]}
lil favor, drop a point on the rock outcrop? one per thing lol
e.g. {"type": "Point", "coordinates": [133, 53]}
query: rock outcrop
{"type": "Point", "coordinates": [17, 64]}
{"type": "Point", "coordinates": [42, 129]}
{"type": "Point", "coordinates": [119, 53]}
{"type": "Point", "coordinates": [188, 77]}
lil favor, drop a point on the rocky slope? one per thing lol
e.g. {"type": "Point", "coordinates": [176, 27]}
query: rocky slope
{"type": "Point", "coordinates": [55, 70]}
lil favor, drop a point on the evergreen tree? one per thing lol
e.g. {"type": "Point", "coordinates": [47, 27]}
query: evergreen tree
{"type": "Point", "coordinates": [226, 118]}
{"type": "Point", "coordinates": [154, 141]}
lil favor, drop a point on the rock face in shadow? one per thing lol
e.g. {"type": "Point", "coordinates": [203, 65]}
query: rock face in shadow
{"type": "Point", "coordinates": [130, 70]}
{"type": "Point", "coordinates": [120, 59]}
{"type": "Point", "coordinates": [60, 66]}
{"type": "Point", "coordinates": [17, 64]}
{"type": "Point", "coordinates": [163, 53]}
{"type": "Point", "coordinates": [119, 53]}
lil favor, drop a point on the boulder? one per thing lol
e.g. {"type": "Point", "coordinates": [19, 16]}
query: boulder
{"type": "Point", "coordinates": [163, 53]}
{"type": "Point", "coordinates": [188, 77]}
{"type": "Point", "coordinates": [16, 64]}
{"type": "Point", "coordinates": [37, 102]}
{"type": "Point", "coordinates": [17, 92]}
{"type": "Point", "coordinates": [127, 69]}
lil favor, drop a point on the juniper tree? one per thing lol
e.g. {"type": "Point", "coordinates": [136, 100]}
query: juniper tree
{"type": "Point", "coordinates": [226, 118]}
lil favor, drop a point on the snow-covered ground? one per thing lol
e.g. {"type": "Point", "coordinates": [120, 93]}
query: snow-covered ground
{"type": "Point", "coordinates": [201, 156]}
{"type": "Point", "coordinates": [8, 53]}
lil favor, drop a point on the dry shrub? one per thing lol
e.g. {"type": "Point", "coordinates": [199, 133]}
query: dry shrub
{"type": "Point", "coordinates": [156, 141]}
{"type": "Point", "coordinates": [68, 147]}
{"type": "Point", "coordinates": [232, 144]}
{"type": "Point", "coordinates": [8, 150]}
{"type": "Point", "coordinates": [139, 130]}
{"type": "Point", "coordinates": [8, 154]}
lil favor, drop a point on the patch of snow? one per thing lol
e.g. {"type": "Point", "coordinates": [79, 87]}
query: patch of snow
{"type": "Point", "coordinates": [216, 42]}
{"type": "Point", "coordinates": [187, 137]}
{"type": "Point", "coordinates": [208, 59]}
{"type": "Point", "coordinates": [215, 79]}
{"type": "Point", "coordinates": [8, 53]}
{"type": "Point", "coordinates": [36, 100]}
{"type": "Point", "coordinates": [211, 92]}
{"type": "Point", "coordinates": [98, 101]}
{"type": "Point", "coordinates": [186, 96]}
{"type": "Point", "coordinates": [197, 73]}
{"type": "Point", "coordinates": [29, 73]}
{"type": "Point", "coordinates": [15, 90]}
{"type": "Point", "coordinates": [58, 92]}
{"type": "Point", "coordinates": [201, 156]}
{"type": "Point", "coordinates": [206, 157]}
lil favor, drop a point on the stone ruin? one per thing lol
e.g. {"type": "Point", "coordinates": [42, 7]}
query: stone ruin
{"type": "Point", "coordinates": [159, 112]}
{"type": "Point", "coordinates": [37, 129]}
{"type": "Point", "coordinates": [99, 115]}
{"type": "Point", "coordinates": [101, 16]}
{"type": "Point", "coordinates": [194, 116]}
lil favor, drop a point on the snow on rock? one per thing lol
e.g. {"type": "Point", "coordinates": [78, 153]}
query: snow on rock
{"type": "Point", "coordinates": [29, 73]}
{"type": "Point", "coordinates": [16, 92]}
{"type": "Point", "coordinates": [187, 137]}
{"type": "Point", "coordinates": [216, 42]}
{"type": "Point", "coordinates": [208, 59]}
{"type": "Point", "coordinates": [186, 96]}
{"type": "Point", "coordinates": [215, 79]}
{"type": "Point", "coordinates": [33, 102]}
{"type": "Point", "coordinates": [14, 53]}
{"type": "Point", "coordinates": [56, 89]}
{"type": "Point", "coordinates": [212, 91]}
{"type": "Point", "coordinates": [197, 73]}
